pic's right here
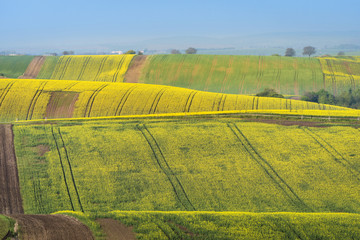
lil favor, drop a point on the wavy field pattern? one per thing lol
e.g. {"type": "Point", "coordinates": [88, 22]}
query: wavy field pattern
{"type": "Point", "coordinates": [22, 99]}
{"type": "Point", "coordinates": [105, 68]}
{"type": "Point", "coordinates": [234, 74]}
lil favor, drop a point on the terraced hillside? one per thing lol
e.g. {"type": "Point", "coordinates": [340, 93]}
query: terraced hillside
{"type": "Point", "coordinates": [14, 66]}
{"type": "Point", "coordinates": [107, 68]}
{"type": "Point", "coordinates": [22, 99]}
{"type": "Point", "coordinates": [203, 164]}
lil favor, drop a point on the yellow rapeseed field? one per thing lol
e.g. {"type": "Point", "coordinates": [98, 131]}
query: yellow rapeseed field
{"type": "Point", "coordinates": [22, 99]}
{"type": "Point", "coordinates": [92, 68]}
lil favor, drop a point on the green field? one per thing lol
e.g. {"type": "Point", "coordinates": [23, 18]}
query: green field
{"type": "Point", "coordinates": [14, 66]}
{"type": "Point", "coordinates": [234, 74]}
{"type": "Point", "coordinates": [48, 67]}
{"type": "Point", "coordinates": [203, 164]}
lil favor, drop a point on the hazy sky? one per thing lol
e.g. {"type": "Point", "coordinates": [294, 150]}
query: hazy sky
{"type": "Point", "coordinates": [78, 22]}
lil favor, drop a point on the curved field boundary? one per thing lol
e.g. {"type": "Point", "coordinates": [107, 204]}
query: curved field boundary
{"type": "Point", "coordinates": [270, 171]}
{"type": "Point", "coordinates": [10, 197]}
{"type": "Point", "coordinates": [34, 67]}
{"type": "Point", "coordinates": [34, 100]}
{"type": "Point", "coordinates": [60, 227]}
{"type": "Point", "coordinates": [164, 166]}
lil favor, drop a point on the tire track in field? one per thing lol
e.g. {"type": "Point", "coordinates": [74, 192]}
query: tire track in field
{"type": "Point", "coordinates": [259, 73]}
{"type": "Point", "coordinates": [70, 86]}
{"type": "Point", "coordinates": [62, 167]}
{"type": "Point", "coordinates": [6, 91]}
{"type": "Point", "coordinates": [123, 100]}
{"type": "Point", "coordinates": [243, 76]}
{"type": "Point", "coordinates": [157, 100]}
{"type": "Point", "coordinates": [313, 74]}
{"type": "Point", "coordinates": [296, 77]}
{"type": "Point", "coordinates": [227, 73]}
{"type": "Point", "coordinates": [268, 169]}
{"type": "Point", "coordinates": [337, 156]}
{"type": "Point", "coordinates": [57, 68]}
{"type": "Point", "coordinates": [91, 100]}
{"type": "Point", "coordinates": [189, 101]}
{"type": "Point", "coordinates": [10, 197]}
{"type": "Point", "coordinates": [278, 76]}
{"type": "Point", "coordinates": [86, 62]}
{"type": "Point", "coordinates": [71, 171]}
{"type": "Point", "coordinates": [115, 76]}
{"type": "Point", "coordinates": [349, 71]}
{"type": "Point", "coordinates": [34, 99]}
{"type": "Point", "coordinates": [102, 63]}
{"type": "Point", "coordinates": [333, 79]}
{"type": "Point", "coordinates": [213, 65]}
{"type": "Point", "coordinates": [164, 166]}
{"type": "Point", "coordinates": [66, 65]}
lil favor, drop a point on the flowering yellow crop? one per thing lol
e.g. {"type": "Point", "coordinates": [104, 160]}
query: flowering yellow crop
{"type": "Point", "coordinates": [92, 68]}
{"type": "Point", "coordinates": [23, 99]}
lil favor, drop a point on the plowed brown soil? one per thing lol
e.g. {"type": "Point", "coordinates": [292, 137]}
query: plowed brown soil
{"type": "Point", "coordinates": [133, 73]}
{"type": "Point", "coordinates": [115, 230]}
{"type": "Point", "coordinates": [34, 68]}
{"type": "Point", "coordinates": [54, 227]}
{"type": "Point", "coordinates": [61, 104]}
{"type": "Point", "coordinates": [10, 198]}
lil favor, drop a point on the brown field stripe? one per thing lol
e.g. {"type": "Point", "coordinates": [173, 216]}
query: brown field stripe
{"type": "Point", "coordinates": [348, 69]}
{"type": "Point", "coordinates": [34, 100]}
{"type": "Point", "coordinates": [62, 167]}
{"type": "Point", "coordinates": [57, 68]}
{"type": "Point", "coordinates": [10, 197]}
{"type": "Point", "coordinates": [100, 68]}
{"type": "Point", "coordinates": [268, 169]}
{"type": "Point", "coordinates": [123, 100]}
{"type": "Point", "coordinates": [6, 91]}
{"type": "Point", "coordinates": [71, 171]}
{"type": "Point", "coordinates": [67, 62]}
{"type": "Point", "coordinates": [118, 69]}
{"type": "Point", "coordinates": [243, 76]}
{"type": "Point", "coordinates": [157, 100]}
{"type": "Point", "coordinates": [253, 104]}
{"type": "Point", "coordinates": [86, 62]}
{"type": "Point", "coordinates": [92, 99]}
{"type": "Point", "coordinates": [164, 166]}
{"type": "Point", "coordinates": [213, 64]}
{"type": "Point", "coordinates": [227, 73]}
{"type": "Point", "coordinates": [338, 157]}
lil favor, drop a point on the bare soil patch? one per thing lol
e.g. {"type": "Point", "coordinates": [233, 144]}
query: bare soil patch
{"type": "Point", "coordinates": [42, 149]}
{"type": "Point", "coordinates": [133, 73]}
{"type": "Point", "coordinates": [54, 227]}
{"type": "Point", "coordinates": [34, 68]}
{"type": "Point", "coordinates": [61, 104]}
{"type": "Point", "coordinates": [115, 230]}
{"type": "Point", "coordinates": [10, 198]}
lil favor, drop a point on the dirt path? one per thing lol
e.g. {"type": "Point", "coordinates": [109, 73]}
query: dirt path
{"type": "Point", "coordinates": [133, 73]}
{"type": "Point", "coordinates": [10, 198]}
{"type": "Point", "coordinates": [115, 230]}
{"type": "Point", "coordinates": [54, 227]}
{"type": "Point", "coordinates": [34, 67]}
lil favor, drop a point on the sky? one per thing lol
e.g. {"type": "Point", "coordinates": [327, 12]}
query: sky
{"type": "Point", "coordinates": [79, 23]}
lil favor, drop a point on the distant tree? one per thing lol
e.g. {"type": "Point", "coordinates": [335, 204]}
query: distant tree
{"type": "Point", "coordinates": [290, 52]}
{"type": "Point", "coordinates": [175, 51]}
{"type": "Point", "coordinates": [276, 55]}
{"type": "Point", "coordinates": [68, 52]}
{"type": "Point", "coordinates": [130, 52]}
{"type": "Point", "coordinates": [191, 50]}
{"type": "Point", "coordinates": [269, 92]}
{"type": "Point", "coordinates": [140, 53]}
{"type": "Point", "coordinates": [309, 50]}
{"type": "Point", "coordinates": [341, 53]}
